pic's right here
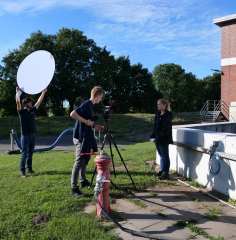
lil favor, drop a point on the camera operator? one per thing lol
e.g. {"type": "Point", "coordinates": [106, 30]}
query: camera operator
{"type": "Point", "coordinates": [82, 138]}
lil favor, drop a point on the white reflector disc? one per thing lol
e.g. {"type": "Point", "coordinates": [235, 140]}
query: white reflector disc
{"type": "Point", "coordinates": [36, 72]}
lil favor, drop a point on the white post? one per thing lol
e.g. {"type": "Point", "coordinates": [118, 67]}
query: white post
{"type": "Point", "coordinates": [99, 138]}
{"type": "Point", "coordinates": [11, 137]}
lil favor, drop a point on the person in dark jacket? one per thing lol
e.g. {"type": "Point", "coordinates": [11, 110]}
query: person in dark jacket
{"type": "Point", "coordinates": [163, 137]}
{"type": "Point", "coordinates": [84, 139]}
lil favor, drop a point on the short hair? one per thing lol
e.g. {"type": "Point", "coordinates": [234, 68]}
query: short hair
{"type": "Point", "coordinates": [163, 101]}
{"type": "Point", "coordinates": [96, 91]}
{"type": "Point", "coordinates": [26, 100]}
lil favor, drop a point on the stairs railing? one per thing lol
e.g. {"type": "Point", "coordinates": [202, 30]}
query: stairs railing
{"type": "Point", "coordinates": [208, 112]}
{"type": "Point", "coordinates": [225, 111]}
{"type": "Point", "coordinates": [212, 109]}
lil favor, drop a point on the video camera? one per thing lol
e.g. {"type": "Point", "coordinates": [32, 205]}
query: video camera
{"type": "Point", "coordinates": [109, 108]}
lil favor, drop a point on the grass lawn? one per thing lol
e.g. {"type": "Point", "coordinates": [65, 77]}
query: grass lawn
{"type": "Point", "coordinates": [47, 193]}
{"type": "Point", "coordinates": [45, 126]}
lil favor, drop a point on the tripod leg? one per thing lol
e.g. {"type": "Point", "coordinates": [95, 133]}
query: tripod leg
{"type": "Point", "coordinates": [112, 155]}
{"type": "Point", "coordinates": [122, 161]}
{"type": "Point", "coordinates": [104, 142]}
{"type": "Point", "coordinates": [91, 183]}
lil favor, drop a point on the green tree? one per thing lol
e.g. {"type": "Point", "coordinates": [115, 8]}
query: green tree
{"type": "Point", "coordinates": [178, 87]}
{"type": "Point", "coordinates": [120, 84]}
{"type": "Point", "coordinates": [143, 95]}
{"type": "Point", "coordinates": [72, 52]}
{"type": "Point", "coordinates": [208, 88]}
{"type": "Point", "coordinates": [132, 87]}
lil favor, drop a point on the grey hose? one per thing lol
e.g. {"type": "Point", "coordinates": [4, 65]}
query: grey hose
{"type": "Point", "coordinates": [132, 232]}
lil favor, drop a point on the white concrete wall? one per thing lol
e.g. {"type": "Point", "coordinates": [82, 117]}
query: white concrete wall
{"type": "Point", "coordinates": [204, 138]}
{"type": "Point", "coordinates": [232, 112]}
{"type": "Point", "coordinates": [195, 165]}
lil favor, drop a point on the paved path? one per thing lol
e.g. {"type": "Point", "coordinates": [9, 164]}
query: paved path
{"type": "Point", "coordinates": [166, 205]}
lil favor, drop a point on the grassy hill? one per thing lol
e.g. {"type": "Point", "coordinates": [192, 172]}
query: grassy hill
{"type": "Point", "coordinates": [118, 124]}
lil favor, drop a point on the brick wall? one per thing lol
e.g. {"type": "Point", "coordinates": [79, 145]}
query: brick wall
{"type": "Point", "coordinates": [225, 42]}
{"type": "Point", "coordinates": [232, 40]}
{"type": "Point", "coordinates": [228, 50]}
{"type": "Point", "coordinates": [228, 84]}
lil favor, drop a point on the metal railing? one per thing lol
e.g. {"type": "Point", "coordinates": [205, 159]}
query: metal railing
{"type": "Point", "coordinates": [186, 116]}
{"type": "Point", "coordinates": [225, 111]}
{"type": "Point", "coordinates": [213, 109]}
{"type": "Point", "coordinates": [208, 112]}
{"type": "Point", "coordinates": [141, 122]}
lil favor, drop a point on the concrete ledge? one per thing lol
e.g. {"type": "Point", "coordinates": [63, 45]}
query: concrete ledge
{"type": "Point", "coordinates": [190, 155]}
{"type": "Point", "coordinates": [207, 151]}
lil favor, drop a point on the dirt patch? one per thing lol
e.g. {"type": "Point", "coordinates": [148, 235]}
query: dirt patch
{"type": "Point", "coordinates": [40, 219]}
{"type": "Point", "coordinates": [120, 166]}
{"type": "Point", "coordinates": [121, 149]}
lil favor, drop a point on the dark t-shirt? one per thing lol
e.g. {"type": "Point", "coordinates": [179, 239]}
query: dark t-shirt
{"type": "Point", "coordinates": [27, 120]}
{"type": "Point", "coordinates": [85, 110]}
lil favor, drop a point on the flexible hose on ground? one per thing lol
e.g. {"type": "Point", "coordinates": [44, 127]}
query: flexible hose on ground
{"type": "Point", "coordinates": [132, 232]}
{"type": "Point", "coordinates": [43, 149]}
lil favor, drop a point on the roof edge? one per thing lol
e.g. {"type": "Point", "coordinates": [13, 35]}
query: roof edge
{"type": "Point", "coordinates": [220, 21]}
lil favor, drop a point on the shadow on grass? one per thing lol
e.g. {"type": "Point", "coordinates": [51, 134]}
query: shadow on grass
{"type": "Point", "coordinates": [52, 173]}
{"type": "Point", "coordinates": [119, 172]}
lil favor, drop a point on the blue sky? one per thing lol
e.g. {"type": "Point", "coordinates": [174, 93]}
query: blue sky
{"type": "Point", "coordinates": [151, 32]}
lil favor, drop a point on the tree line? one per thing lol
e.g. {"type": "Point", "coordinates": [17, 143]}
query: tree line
{"type": "Point", "coordinates": [81, 65]}
{"type": "Point", "coordinates": [184, 91]}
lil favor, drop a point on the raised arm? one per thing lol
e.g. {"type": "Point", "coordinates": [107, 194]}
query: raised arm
{"type": "Point", "coordinates": [40, 99]}
{"type": "Point", "coordinates": [18, 105]}
{"type": "Point", "coordinates": [77, 117]}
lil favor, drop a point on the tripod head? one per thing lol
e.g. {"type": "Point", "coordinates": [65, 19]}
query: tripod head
{"type": "Point", "coordinates": [109, 108]}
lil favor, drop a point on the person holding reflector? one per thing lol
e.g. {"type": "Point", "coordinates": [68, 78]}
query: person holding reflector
{"type": "Point", "coordinates": [28, 129]}
{"type": "Point", "coordinates": [33, 76]}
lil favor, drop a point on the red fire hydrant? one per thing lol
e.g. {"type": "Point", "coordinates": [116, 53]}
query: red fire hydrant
{"type": "Point", "coordinates": [102, 183]}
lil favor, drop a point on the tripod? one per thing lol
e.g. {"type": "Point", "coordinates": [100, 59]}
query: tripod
{"type": "Point", "coordinates": [110, 138]}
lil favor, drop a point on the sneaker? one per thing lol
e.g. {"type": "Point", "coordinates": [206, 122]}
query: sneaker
{"type": "Point", "coordinates": [76, 192]}
{"type": "Point", "coordinates": [164, 176]}
{"type": "Point", "coordinates": [159, 174]}
{"type": "Point", "coordinates": [23, 175]}
{"type": "Point", "coordinates": [85, 183]}
{"type": "Point", "coordinates": [31, 171]}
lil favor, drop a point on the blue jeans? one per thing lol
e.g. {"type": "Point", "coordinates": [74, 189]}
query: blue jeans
{"type": "Point", "coordinates": [27, 147]}
{"type": "Point", "coordinates": [163, 151]}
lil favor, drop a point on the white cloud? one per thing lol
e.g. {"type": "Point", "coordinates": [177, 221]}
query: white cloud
{"type": "Point", "coordinates": [180, 27]}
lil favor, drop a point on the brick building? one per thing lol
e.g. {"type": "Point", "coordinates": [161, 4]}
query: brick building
{"type": "Point", "coordinates": [228, 60]}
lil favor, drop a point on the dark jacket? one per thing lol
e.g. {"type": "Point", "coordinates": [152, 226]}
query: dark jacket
{"type": "Point", "coordinates": [165, 135]}
{"type": "Point", "coordinates": [88, 143]}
